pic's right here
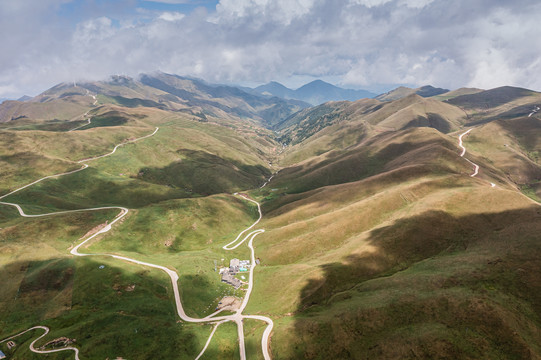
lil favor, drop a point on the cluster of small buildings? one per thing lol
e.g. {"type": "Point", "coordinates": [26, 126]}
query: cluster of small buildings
{"type": "Point", "coordinates": [235, 266]}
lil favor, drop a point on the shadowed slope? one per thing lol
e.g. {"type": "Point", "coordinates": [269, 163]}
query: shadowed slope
{"type": "Point", "coordinates": [417, 261]}
{"type": "Point", "coordinates": [338, 125]}
{"type": "Point", "coordinates": [402, 91]}
{"type": "Point", "coordinates": [513, 148]}
{"type": "Point", "coordinates": [380, 153]}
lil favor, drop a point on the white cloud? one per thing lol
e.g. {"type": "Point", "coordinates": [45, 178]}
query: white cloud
{"type": "Point", "coordinates": [283, 11]}
{"type": "Point", "coordinates": [171, 16]}
{"type": "Point", "coordinates": [370, 3]}
{"type": "Point", "coordinates": [408, 3]}
{"type": "Point", "coordinates": [171, 1]}
{"type": "Point", "coordinates": [484, 43]}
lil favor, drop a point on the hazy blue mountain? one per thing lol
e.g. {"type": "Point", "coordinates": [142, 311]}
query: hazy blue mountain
{"type": "Point", "coordinates": [276, 89]}
{"type": "Point", "coordinates": [24, 98]}
{"type": "Point", "coordinates": [315, 92]}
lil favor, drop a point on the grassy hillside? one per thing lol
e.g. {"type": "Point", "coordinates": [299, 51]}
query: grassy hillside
{"type": "Point", "coordinates": [116, 308]}
{"type": "Point", "coordinates": [133, 305]}
{"type": "Point", "coordinates": [239, 156]}
{"type": "Point", "coordinates": [425, 113]}
{"type": "Point", "coordinates": [26, 156]}
{"type": "Point", "coordinates": [501, 103]}
{"type": "Point", "coordinates": [402, 92]}
{"type": "Point", "coordinates": [306, 123]}
{"type": "Point", "coordinates": [458, 92]}
{"type": "Point", "coordinates": [341, 124]}
{"type": "Point", "coordinates": [93, 300]}
{"type": "Point", "coordinates": [384, 152]}
{"type": "Point", "coordinates": [63, 109]}
{"type": "Point", "coordinates": [426, 260]}
{"type": "Point", "coordinates": [491, 98]}
{"type": "Point", "coordinates": [378, 243]}
{"type": "Point", "coordinates": [513, 146]}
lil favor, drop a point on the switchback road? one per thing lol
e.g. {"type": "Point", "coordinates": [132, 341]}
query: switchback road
{"type": "Point", "coordinates": [238, 317]}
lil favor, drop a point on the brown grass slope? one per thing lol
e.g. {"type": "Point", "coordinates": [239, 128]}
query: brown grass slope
{"type": "Point", "coordinates": [67, 108]}
{"type": "Point", "coordinates": [186, 145]}
{"type": "Point", "coordinates": [458, 92]}
{"type": "Point", "coordinates": [317, 130]}
{"type": "Point", "coordinates": [428, 113]}
{"type": "Point", "coordinates": [418, 260]}
{"type": "Point", "coordinates": [512, 147]}
{"type": "Point", "coordinates": [378, 243]}
{"type": "Point", "coordinates": [379, 153]}
{"type": "Point", "coordinates": [314, 131]}
{"type": "Point", "coordinates": [500, 103]}
{"type": "Point", "coordinates": [402, 91]}
{"type": "Point", "coordinates": [335, 137]}
{"type": "Point", "coordinates": [309, 122]}
{"type": "Point", "coordinates": [415, 110]}
{"type": "Point", "coordinates": [29, 155]}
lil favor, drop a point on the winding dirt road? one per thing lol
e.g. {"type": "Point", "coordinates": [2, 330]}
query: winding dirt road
{"type": "Point", "coordinates": [86, 113]}
{"type": "Point", "coordinates": [535, 109]}
{"type": "Point", "coordinates": [475, 166]}
{"type": "Point", "coordinates": [33, 349]}
{"type": "Point", "coordinates": [217, 320]}
{"type": "Point", "coordinates": [268, 180]}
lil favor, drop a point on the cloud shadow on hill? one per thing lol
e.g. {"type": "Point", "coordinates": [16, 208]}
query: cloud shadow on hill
{"type": "Point", "coordinates": [198, 174]}
{"type": "Point", "coordinates": [203, 173]}
{"type": "Point", "coordinates": [441, 312]}
{"type": "Point", "coordinates": [109, 311]}
{"type": "Point", "coordinates": [433, 156]}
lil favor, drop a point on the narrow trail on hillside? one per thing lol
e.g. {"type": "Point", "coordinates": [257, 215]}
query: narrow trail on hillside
{"type": "Point", "coordinates": [475, 166]}
{"type": "Point", "coordinates": [86, 113]}
{"type": "Point", "coordinates": [77, 170]}
{"type": "Point", "coordinates": [216, 320]}
{"type": "Point", "coordinates": [33, 349]}
{"type": "Point", "coordinates": [476, 169]}
{"type": "Point", "coordinates": [269, 179]}
{"type": "Point", "coordinates": [535, 109]}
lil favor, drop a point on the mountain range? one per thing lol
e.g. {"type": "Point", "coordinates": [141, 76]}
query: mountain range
{"type": "Point", "coordinates": [160, 90]}
{"type": "Point", "coordinates": [401, 226]}
{"type": "Point", "coordinates": [315, 92]}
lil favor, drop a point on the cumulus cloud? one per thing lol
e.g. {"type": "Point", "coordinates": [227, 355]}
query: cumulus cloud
{"type": "Point", "coordinates": [360, 43]}
{"type": "Point", "coordinates": [171, 1]}
{"type": "Point", "coordinates": [171, 16]}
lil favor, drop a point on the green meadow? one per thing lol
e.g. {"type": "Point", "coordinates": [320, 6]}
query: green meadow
{"type": "Point", "coordinates": [378, 243]}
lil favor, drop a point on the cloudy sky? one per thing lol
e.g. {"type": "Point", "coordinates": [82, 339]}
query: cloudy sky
{"type": "Point", "coordinates": [370, 44]}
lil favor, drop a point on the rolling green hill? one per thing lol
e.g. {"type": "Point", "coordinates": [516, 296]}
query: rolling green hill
{"type": "Point", "coordinates": [378, 242]}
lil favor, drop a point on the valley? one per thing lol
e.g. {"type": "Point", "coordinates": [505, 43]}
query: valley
{"type": "Point", "coordinates": [405, 226]}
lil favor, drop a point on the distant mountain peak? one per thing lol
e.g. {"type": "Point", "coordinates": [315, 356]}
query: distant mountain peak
{"type": "Point", "coordinates": [273, 84]}
{"type": "Point", "coordinates": [315, 92]}
{"type": "Point", "coordinates": [317, 82]}
{"type": "Point", "coordinates": [24, 98]}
